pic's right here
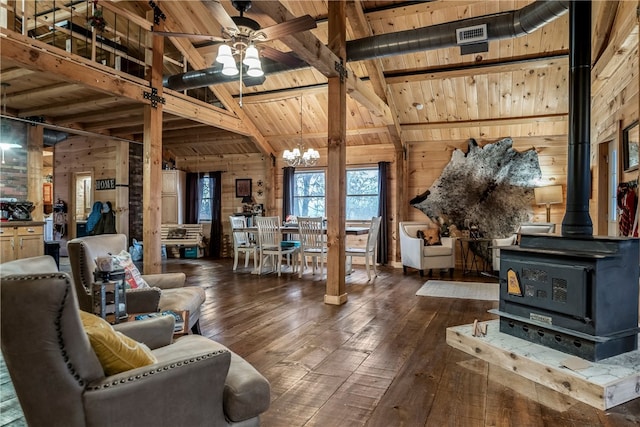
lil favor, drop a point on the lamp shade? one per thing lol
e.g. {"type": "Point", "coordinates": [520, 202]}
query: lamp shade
{"type": "Point", "coordinates": [251, 58]}
{"type": "Point", "coordinates": [224, 54]}
{"type": "Point", "coordinates": [255, 70]}
{"type": "Point", "coordinates": [548, 195]}
{"type": "Point", "coordinates": [230, 69]}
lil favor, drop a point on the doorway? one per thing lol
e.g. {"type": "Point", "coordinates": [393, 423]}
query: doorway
{"type": "Point", "coordinates": [82, 198]}
{"type": "Point", "coordinates": [607, 205]}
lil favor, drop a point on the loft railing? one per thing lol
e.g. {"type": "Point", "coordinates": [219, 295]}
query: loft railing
{"type": "Point", "coordinates": [101, 31]}
{"type": "Point", "coordinates": [97, 30]}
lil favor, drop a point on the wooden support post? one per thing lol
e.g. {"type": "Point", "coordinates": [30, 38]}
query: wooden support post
{"type": "Point", "coordinates": [152, 165]}
{"type": "Point", "coordinates": [34, 170]}
{"type": "Point", "coordinates": [336, 159]}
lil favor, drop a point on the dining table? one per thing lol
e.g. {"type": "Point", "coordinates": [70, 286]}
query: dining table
{"type": "Point", "coordinates": [349, 230]}
{"type": "Point", "coordinates": [293, 229]}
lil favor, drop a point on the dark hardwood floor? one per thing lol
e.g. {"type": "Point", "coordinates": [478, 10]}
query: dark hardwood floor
{"type": "Point", "coordinates": [381, 359]}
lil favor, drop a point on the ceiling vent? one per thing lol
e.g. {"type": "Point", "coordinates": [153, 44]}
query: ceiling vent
{"type": "Point", "coordinates": [475, 34]}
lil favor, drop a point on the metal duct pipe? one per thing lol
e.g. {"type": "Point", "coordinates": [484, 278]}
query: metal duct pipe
{"type": "Point", "coordinates": [576, 221]}
{"type": "Point", "coordinates": [499, 26]}
{"type": "Point", "coordinates": [52, 137]}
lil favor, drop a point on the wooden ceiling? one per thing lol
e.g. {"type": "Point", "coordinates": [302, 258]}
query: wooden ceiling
{"type": "Point", "coordinates": [518, 88]}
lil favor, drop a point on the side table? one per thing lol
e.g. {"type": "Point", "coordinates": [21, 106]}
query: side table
{"type": "Point", "coordinates": [108, 298]}
{"type": "Point", "coordinates": [471, 260]}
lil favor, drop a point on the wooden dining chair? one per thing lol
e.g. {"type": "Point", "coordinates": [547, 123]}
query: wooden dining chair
{"type": "Point", "coordinates": [369, 252]}
{"type": "Point", "coordinates": [312, 243]}
{"type": "Point", "coordinates": [242, 243]}
{"type": "Point", "coordinates": [271, 244]}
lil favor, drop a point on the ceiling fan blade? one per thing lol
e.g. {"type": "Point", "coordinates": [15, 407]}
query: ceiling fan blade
{"type": "Point", "coordinates": [302, 23]}
{"type": "Point", "coordinates": [290, 59]}
{"type": "Point", "coordinates": [191, 36]}
{"type": "Point", "coordinates": [221, 15]}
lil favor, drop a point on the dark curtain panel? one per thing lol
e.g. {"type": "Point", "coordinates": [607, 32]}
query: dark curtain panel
{"type": "Point", "coordinates": [193, 198]}
{"type": "Point", "coordinates": [215, 242]}
{"type": "Point", "coordinates": [287, 191]}
{"type": "Point", "coordinates": [383, 236]}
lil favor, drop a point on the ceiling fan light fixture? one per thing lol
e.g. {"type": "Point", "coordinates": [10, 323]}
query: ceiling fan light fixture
{"type": "Point", "coordinates": [225, 55]}
{"type": "Point", "coordinates": [255, 70]}
{"type": "Point", "coordinates": [230, 69]}
{"type": "Point", "coordinates": [251, 58]}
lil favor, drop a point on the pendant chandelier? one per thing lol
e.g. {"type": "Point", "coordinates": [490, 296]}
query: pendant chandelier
{"type": "Point", "coordinates": [298, 156]}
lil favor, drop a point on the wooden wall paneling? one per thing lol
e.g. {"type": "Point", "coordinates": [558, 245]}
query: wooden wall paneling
{"type": "Point", "coordinates": [121, 201]}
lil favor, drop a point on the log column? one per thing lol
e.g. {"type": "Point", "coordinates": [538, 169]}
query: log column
{"type": "Point", "coordinates": [337, 159]}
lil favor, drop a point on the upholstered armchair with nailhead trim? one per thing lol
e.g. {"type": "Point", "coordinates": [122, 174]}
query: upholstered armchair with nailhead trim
{"type": "Point", "coordinates": [60, 381]}
{"type": "Point", "coordinates": [167, 291]}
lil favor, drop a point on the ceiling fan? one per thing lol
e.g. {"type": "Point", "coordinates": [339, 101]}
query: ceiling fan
{"type": "Point", "coordinates": [243, 31]}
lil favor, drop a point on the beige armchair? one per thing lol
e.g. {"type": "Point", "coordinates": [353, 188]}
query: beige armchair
{"type": "Point", "coordinates": [59, 380]}
{"type": "Point", "coordinates": [415, 255]}
{"type": "Point", "coordinates": [167, 290]}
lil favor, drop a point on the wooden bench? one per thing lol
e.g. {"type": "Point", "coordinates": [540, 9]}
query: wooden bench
{"type": "Point", "coordinates": [187, 235]}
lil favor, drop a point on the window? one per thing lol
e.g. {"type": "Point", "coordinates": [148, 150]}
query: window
{"type": "Point", "coordinates": [362, 194]}
{"type": "Point", "coordinates": [309, 193]}
{"type": "Point", "coordinates": [206, 198]}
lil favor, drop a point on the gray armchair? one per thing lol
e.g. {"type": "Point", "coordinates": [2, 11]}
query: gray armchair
{"type": "Point", "coordinates": [59, 380]}
{"type": "Point", "coordinates": [167, 292]}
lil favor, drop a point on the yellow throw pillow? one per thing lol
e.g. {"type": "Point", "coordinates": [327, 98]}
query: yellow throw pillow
{"type": "Point", "coordinates": [116, 351]}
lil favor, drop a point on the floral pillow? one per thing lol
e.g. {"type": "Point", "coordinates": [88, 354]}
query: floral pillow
{"type": "Point", "coordinates": [132, 277]}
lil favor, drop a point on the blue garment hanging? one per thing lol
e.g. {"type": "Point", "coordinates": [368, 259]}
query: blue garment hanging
{"type": "Point", "coordinates": [94, 216]}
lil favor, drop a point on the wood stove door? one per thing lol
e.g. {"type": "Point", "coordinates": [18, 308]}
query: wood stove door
{"type": "Point", "coordinates": [550, 286]}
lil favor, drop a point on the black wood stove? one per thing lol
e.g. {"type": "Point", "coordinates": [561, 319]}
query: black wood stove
{"type": "Point", "coordinates": [575, 293]}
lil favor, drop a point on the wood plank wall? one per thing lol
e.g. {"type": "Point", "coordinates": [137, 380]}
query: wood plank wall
{"type": "Point", "coordinates": [103, 158]}
{"type": "Point", "coordinates": [615, 105]}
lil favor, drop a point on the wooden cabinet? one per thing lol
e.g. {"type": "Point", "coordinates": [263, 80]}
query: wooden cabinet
{"type": "Point", "coordinates": [174, 183]}
{"type": "Point", "coordinates": [21, 240]}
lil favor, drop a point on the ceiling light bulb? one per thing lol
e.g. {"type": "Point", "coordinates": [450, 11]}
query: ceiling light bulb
{"type": "Point", "coordinates": [418, 106]}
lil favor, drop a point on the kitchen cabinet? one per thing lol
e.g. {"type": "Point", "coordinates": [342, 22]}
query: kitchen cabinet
{"type": "Point", "coordinates": [21, 239]}
{"type": "Point", "coordinates": [174, 184]}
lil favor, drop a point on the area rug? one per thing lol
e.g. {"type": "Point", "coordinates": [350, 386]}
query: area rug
{"type": "Point", "coordinates": [463, 290]}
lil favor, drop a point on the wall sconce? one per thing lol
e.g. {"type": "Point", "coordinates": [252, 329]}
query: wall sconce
{"type": "Point", "coordinates": [548, 196]}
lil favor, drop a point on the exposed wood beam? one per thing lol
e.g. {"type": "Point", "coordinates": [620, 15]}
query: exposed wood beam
{"type": "Point", "coordinates": [561, 117]}
{"type": "Point", "coordinates": [35, 55]}
{"type": "Point", "coordinates": [514, 64]}
{"type": "Point", "coordinates": [314, 135]}
{"type": "Point", "coordinates": [43, 92]}
{"type": "Point", "coordinates": [315, 53]}
{"type": "Point", "coordinates": [604, 14]}
{"type": "Point", "coordinates": [98, 116]}
{"type": "Point", "coordinates": [361, 28]}
{"type": "Point", "coordinates": [197, 61]}
{"type": "Point", "coordinates": [14, 73]}
{"type": "Point", "coordinates": [396, 12]}
{"type": "Point", "coordinates": [56, 109]}
{"type": "Point", "coordinates": [625, 38]}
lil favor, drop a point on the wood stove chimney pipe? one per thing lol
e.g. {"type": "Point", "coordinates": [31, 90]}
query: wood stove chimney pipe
{"type": "Point", "coordinates": [576, 221]}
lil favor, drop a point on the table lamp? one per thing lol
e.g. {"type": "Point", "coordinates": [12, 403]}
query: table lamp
{"type": "Point", "coordinates": [548, 196]}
